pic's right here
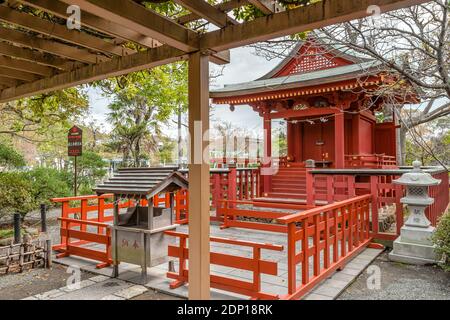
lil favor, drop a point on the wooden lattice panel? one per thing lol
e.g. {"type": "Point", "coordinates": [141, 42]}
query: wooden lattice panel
{"type": "Point", "coordinates": [311, 57]}
{"type": "Point", "coordinates": [313, 61]}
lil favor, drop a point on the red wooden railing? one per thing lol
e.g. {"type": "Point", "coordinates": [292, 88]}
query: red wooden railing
{"type": "Point", "coordinates": [376, 161]}
{"type": "Point", "coordinates": [336, 231]}
{"type": "Point", "coordinates": [181, 207]}
{"type": "Point", "coordinates": [440, 193]}
{"type": "Point", "coordinates": [230, 184]}
{"type": "Point", "coordinates": [80, 207]}
{"type": "Point", "coordinates": [337, 186]}
{"type": "Point", "coordinates": [83, 235]}
{"type": "Point", "coordinates": [254, 264]}
{"type": "Point", "coordinates": [232, 211]}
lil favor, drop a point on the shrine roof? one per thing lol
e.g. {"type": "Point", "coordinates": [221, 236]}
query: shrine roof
{"type": "Point", "coordinates": [319, 77]}
{"type": "Point", "coordinates": [332, 49]}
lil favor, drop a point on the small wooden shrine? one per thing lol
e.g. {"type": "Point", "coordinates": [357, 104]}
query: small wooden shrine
{"type": "Point", "coordinates": [325, 95]}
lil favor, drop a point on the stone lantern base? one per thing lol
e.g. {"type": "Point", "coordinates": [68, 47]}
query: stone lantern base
{"type": "Point", "coordinates": [414, 246]}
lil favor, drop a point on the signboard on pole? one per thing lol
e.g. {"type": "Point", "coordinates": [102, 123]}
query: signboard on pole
{"type": "Point", "coordinates": [75, 142]}
{"type": "Point", "coordinates": [75, 149]}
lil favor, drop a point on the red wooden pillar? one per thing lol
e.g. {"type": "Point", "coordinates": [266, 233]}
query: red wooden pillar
{"type": "Point", "coordinates": [339, 140]}
{"type": "Point", "coordinates": [290, 139]}
{"type": "Point", "coordinates": [267, 154]}
{"type": "Point", "coordinates": [355, 134]}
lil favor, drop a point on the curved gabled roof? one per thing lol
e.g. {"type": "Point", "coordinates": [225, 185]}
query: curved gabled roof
{"type": "Point", "coordinates": [321, 77]}
{"type": "Point", "coordinates": [338, 51]}
{"type": "Point", "coordinates": [311, 62]}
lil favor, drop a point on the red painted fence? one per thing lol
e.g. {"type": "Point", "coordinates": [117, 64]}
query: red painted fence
{"type": "Point", "coordinates": [332, 185]}
{"type": "Point", "coordinates": [233, 212]}
{"type": "Point", "coordinates": [337, 231]}
{"type": "Point", "coordinates": [76, 229]}
{"type": "Point", "coordinates": [255, 264]}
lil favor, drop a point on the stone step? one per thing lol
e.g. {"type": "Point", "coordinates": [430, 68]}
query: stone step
{"type": "Point", "coordinates": [286, 195]}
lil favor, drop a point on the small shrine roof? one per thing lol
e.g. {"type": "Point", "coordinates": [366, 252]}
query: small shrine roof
{"type": "Point", "coordinates": [143, 182]}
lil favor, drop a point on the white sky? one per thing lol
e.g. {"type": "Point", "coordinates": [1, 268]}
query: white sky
{"type": "Point", "coordinates": [244, 66]}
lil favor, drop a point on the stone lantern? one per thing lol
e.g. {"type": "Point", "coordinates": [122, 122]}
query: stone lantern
{"type": "Point", "coordinates": [414, 244]}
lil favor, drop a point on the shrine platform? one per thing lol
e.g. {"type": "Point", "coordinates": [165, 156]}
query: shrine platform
{"type": "Point", "coordinates": [328, 289]}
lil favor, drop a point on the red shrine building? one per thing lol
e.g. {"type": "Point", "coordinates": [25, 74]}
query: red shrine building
{"type": "Point", "coordinates": [325, 95]}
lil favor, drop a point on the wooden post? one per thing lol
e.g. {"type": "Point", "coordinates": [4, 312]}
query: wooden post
{"type": "Point", "coordinates": [339, 140]}
{"type": "Point", "coordinates": [115, 272]}
{"type": "Point", "coordinates": [43, 217]}
{"type": "Point", "coordinates": [48, 254]}
{"type": "Point", "coordinates": [267, 153]}
{"type": "Point", "coordinates": [199, 251]}
{"type": "Point", "coordinates": [17, 227]}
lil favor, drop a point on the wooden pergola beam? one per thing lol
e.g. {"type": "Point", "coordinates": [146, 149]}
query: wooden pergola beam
{"type": "Point", "coordinates": [135, 17]}
{"type": "Point", "coordinates": [224, 7]}
{"type": "Point", "coordinates": [49, 46]}
{"type": "Point", "coordinates": [17, 75]}
{"type": "Point", "coordinates": [59, 9]}
{"type": "Point", "coordinates": [114, 67]}
{"type": "Point", "coordinates": [58, 31]}
{"type": "Point", "coordinates": [26, 66]}
{"type": "Point", "coordinates": [36, 57]}
{"type": "Point", "coordinates": [8, 82]}
{"type": "Point", "coordinates": [266, 6]}
{"type": "Point", "coordinates": [313, 16]}
{"type": "Point", "coordinates": [207, 11]}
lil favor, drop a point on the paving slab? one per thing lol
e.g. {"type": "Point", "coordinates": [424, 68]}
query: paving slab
{"type": "Point", "coordinates": [340, 280]}
{"type": "Point", "coordinates": [99, 278]}
{"type": "Point", "coordinates": [112, 297]}
{"type": "Point", "coordinates": [131, 292]}
{"type": "Point", "coordinates": [80, 285]}
{"type": "Point", "coordinates": [96, 291]}
{"type": "Point", "coordinates": [316, 296]}
{"type": "Point", "coordinates": [49, 294]}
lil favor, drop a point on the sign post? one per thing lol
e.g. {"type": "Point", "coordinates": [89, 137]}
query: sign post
{"type": "Point", "coordinates": [75, 149]}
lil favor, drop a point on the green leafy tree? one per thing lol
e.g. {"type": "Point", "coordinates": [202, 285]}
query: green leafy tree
{"type": "Point", "coordinates": [442, 240]}
{"type": "Point", "coordinates": [48, 183]}
{"type": "Point", "coordinates": [91, 169]}
{"type": "Point", "coordinates": [15, 194]}
{"type": "Point", "coordinates": [142, 102]}
{"type": "Point", "coordinates": [29, 117]}
{"type": "Point", "coordinates": [166, 150]}
{"type": "Point", "coordinates": [10, 158]}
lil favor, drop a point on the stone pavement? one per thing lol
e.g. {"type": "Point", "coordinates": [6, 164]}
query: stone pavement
{"type": "Point", "coordinates": [329, 289]}
{"type": "Point", "coordinates": [95, 288]}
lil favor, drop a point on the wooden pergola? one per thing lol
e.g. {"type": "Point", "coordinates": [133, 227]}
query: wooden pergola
{"type": "Point", "coordinates": [39, 54]}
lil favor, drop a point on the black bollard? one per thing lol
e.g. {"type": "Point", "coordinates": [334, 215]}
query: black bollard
{"type": "Point", "coordinates": [17, 221]}
{"type": "Point", "coordinates": [43, 217]}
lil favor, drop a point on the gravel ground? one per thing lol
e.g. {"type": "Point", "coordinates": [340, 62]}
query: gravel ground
{"type": "Point", "coordinates": [17, 286]}
{"type": "Point", "coordinates": [401, 282]}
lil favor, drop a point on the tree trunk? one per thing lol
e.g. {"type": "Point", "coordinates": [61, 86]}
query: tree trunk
{"type": "Point", "coordinates": [137, 153]}
{"type": "Point", "coordinates": [401, 146]}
